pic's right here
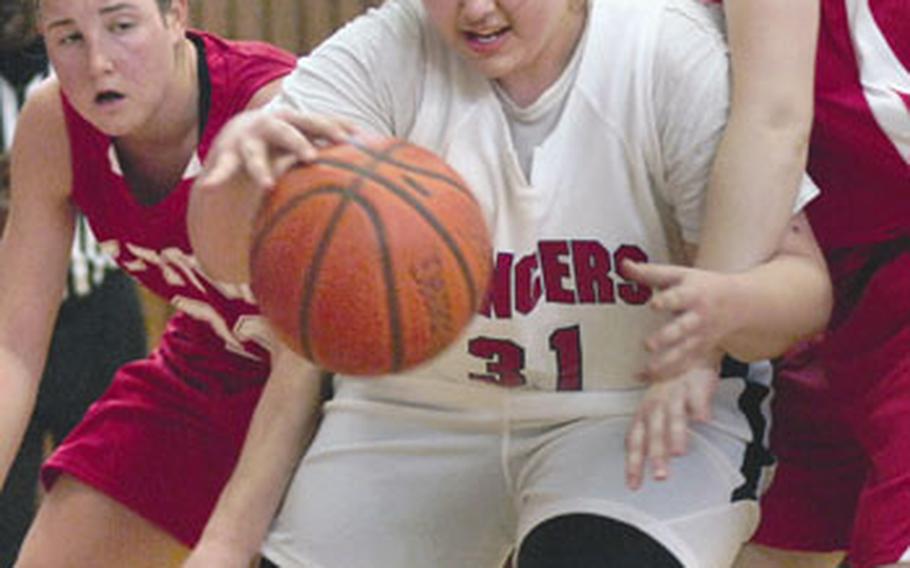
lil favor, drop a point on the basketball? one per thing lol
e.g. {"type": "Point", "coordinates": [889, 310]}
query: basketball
{"type": "Point", "coordinates": [372, 259]}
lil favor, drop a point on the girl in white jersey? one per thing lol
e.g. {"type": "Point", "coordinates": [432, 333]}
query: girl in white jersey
{"type": "Point", "coordinates": [586, 130]}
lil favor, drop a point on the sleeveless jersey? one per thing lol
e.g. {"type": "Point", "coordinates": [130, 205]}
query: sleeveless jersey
{"type": "Point", "coordinates": [859, 154]}
{"type": "Point", "coordinates": [860, 150]}
{"type": "Point", "coordinates": [560, 315]}
{"type": "Point", "coordinates": [151, 241]}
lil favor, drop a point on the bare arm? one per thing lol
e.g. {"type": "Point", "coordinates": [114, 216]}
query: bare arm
{"type": "Point", "coordinates": [762, 155]}
{"type": "Point", "coordinates": [252, 150]}
{"type": "Point", "coordinates": [34, 255]}
{"type": "Point", "coordinates": [752, 315]}
{"type": "Point", "coordinates": [782, 301]}
{"type": "Point", "coordinates": [284, 422]}
{"type": "Point", "coordinates": [220, 215]}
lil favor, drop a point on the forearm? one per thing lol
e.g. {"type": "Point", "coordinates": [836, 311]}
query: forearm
{"type": "Point", "coordinates": [778, 303]}
{"type": "Point", "coordinates": [282, 425]}
{"type": "Point", "coordinates": [756, 176]}
{"type": "Point", "coordinates": [16, 404]}
{"type": "Point", "coordinates": [762, 155]}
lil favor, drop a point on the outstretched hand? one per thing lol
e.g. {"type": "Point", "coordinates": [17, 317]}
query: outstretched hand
{"type": "Point", "coordinates": [660, 427]}
{"type": "Point", "coordinates": [263, 145]}
{"type": "Point", "coordinates": [700, 311]}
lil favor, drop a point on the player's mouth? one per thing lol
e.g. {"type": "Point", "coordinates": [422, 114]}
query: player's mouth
{"type": "Point", "coordinates": [486, 41]}
{"type": "Point", "coordinates": [107, 98]}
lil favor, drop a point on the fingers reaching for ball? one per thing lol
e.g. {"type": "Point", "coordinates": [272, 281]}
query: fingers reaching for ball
{"type": "Point", "coordinates": [263, 145]}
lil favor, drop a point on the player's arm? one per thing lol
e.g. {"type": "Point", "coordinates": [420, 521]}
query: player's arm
{"type": "Point", "coordinates": [762, 155]}
{"type": "Point", "coordinates": [752, 315]}
{"type": "Point", "coordinates": [250, 152]}
{"type": "Point", "coordinates": [692, 101]}
{"type": "Point", "coordinates": [34, 255]}
{"type": "Point", "coordinates": [283, 423]}
{"type": "Point", "coordinates": [782, 301]}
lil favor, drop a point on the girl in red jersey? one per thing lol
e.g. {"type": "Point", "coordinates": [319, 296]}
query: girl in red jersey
{"type": "Point", "coordinates": [119, 134]}
{"type": "Point", "coordinates": [840, 414]}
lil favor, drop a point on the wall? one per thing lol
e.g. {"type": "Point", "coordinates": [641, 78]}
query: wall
{"type": "Point", "coordinates": [297, 25]}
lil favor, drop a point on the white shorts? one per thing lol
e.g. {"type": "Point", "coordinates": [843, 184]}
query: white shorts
{"type": "Point", "coordinates": [404, 474]}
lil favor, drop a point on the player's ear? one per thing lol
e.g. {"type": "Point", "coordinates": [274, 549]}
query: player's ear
{"type": "Point", "coordinates": [176, 15]}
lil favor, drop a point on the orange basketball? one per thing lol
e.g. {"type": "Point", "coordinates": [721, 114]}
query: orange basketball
{"type": "Point", "coordinates": [372, 259]}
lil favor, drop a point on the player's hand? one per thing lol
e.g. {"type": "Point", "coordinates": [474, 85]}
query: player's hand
{"type": "Point", "coordinates": [211, 554]}
{"type": "Point", "coordinates": [701, 315]}
{"type": "Point", "coordinates": [263, 144]}
{"type": "Point", "coordinates": [660, 427]}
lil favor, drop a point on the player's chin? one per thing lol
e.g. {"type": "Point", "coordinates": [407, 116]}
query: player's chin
{"type": "Point", "coordinates": [113, 119]}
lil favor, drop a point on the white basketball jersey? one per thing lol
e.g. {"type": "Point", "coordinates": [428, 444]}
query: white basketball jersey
{"type": "Point", "coordinates": [604, 186]}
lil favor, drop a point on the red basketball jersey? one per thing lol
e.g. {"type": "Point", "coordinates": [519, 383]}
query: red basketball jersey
{"type": "Point", "coordinates": [860, 146]}
{"type": "Point", "coordinates": [151, 242]}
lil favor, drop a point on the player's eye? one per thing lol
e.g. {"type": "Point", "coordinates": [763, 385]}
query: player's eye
{"type": "Point", "coordinates": [69, 38]}
{"type": "Point", "coordinates": [121, 26]}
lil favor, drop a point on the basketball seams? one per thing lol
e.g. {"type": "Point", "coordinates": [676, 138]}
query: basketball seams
{"type": "Point", "coordinates": [389, 160]}
{"type": "Point", "coordinates": [352, 194]}
{"type": "Point", "coordinates": [428, 216]}
{"type": "Point", "coordinates": [284, 210]}
{"type": "Point", "coordinates": [392, 302]}
{"type": "Point", "coordinates": [415, 185]}
{"type": "Point", "coordinates": [425, 193]}
{"type": "Point", "coordinates": [315, 263]}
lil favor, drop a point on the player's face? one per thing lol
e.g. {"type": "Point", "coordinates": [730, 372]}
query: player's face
{"type": "Point", "coordinates": [115, 59]}
{"type": "Point", "coordinates": [524, 44]}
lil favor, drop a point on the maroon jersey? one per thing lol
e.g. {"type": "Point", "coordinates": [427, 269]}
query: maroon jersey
{"type": "Point", "coordinates": [164, 438]}
{"type": "Point", "coordinates": [151, 241]}
{"type": "Point", "coordinates": [860, 148]}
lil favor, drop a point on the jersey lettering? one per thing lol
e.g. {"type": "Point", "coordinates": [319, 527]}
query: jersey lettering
{"type": "Point", "coordinates": [192, 292]}
{"type": "Point", "coordinates": [505, 360]}
{"type": "Point", "coordinates": [569, 272]}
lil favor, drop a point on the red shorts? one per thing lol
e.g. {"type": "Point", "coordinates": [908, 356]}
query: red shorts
{"type": "Point", "coordinates": [842, 433]}
{"type": "Point", "coordinates": [164, 439]}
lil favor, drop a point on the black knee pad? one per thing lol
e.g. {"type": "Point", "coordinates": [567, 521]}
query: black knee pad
{"type": "Point", "coordinates": [586, 541]}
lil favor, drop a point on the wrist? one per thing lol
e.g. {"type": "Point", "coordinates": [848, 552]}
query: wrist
{"type": "Point", "coordinates": [232, 542]}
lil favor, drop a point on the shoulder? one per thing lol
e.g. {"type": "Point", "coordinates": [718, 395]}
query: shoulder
{"type": "Point", "coordinates": [42, 121]}
{"type": "Point", "coordinates": [664, 28]}
{"type": "Point", "coordinates": [217, 47]}
{"type": "Point", "coordinates": [235, 63]}
{"type": "Point", "coordinates": [685, 22]}
{"type": "Point", "coordinates": [691, 44]}
{"type": "Point", "coordinates": [393, 26]}
{"type": "Point", "coordinates": [242, 73]}
{"type": "Point", "coordinates": [41, 145]}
